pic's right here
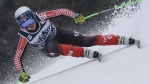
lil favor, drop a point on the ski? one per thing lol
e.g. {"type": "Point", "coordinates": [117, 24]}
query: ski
{"type": "Point", "coordinates": [99, 57]}
{"type": "Point", "coordinates": [137, 42]}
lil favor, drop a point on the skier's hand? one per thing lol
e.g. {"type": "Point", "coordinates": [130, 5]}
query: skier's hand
{"type": "Point", "coordinates": [79, 19]}
{"type": "Point", "coordinates": [24, 77]}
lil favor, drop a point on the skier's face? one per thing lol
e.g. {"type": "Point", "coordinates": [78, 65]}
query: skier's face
{"type": "Point", "coordinates": [32, 26]}
{"type": "Point", "coordinates": [27, 20]}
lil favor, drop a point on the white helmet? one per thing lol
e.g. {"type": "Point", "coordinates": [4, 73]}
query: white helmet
{"type": "Point", "coordinates": [21, 10]}
{"type": "Point", "coordinates": [24, 15]}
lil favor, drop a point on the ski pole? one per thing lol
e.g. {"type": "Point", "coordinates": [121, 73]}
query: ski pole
{"type": "Point", "coordinates": [18, 82]}
{"type": "Point", "coordinates": [117, 7]}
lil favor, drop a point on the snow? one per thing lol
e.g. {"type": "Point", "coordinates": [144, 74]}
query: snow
{"type": "Point", "coordinates": [120, 64]}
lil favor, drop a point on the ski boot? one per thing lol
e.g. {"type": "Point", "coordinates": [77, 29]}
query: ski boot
{"type": "Point", "coordinates": [91, 54]}
{"type": "Point", "coordinates": [122, 40]}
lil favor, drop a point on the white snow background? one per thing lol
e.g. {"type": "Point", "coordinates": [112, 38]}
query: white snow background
{"type": "Point", "coordinates": [120, 64]}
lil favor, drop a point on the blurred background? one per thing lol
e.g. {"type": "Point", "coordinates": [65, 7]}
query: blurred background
{"type": "Point", "coordinates": [33, 60]}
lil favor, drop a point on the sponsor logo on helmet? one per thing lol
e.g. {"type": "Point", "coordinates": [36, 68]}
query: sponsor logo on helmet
{"type": "Point", "coordinates": [23, 17]}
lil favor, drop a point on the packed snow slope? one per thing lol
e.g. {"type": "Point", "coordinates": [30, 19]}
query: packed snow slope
{"type": "Point", "coordinates": [120, 64]}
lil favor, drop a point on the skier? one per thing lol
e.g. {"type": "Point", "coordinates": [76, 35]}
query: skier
{"type": "Point", "coordinates": [36, 29]}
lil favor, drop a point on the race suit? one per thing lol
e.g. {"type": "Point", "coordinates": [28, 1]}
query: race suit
{"type": "Point", "coordinates": [53, 40]}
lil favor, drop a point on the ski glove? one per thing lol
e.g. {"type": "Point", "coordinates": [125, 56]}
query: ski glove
{"type": "Point", "coordinates": [79, 19]}
{"type": "Point", "coordinates": [24, 77]}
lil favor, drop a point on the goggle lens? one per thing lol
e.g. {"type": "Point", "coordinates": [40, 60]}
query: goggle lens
{"type": "Point", "coordinates": [26, 24]}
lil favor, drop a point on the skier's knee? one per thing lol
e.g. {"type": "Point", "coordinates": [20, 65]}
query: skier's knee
{"type": "Point", "coordinates": [87, 42]}
{"type": "Point", "coordinates": [49, 54]}
{"type": "Point", "coordinates": [52, 49]}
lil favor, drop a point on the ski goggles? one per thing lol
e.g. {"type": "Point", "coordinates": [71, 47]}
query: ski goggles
{"type": "Point", "coordinates": [25, 19]}
{"type": "Point", "coordinates": [26, 24]}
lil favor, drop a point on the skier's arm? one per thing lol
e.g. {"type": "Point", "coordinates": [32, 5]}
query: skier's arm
{"type": "Point", "coordinates": [17, 59]}
{"type": "Point", "coordinates": [53, 13]}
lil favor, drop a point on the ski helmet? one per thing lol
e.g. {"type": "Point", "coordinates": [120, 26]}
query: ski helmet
{"type": "Point", "coordinates": [24, 16]}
